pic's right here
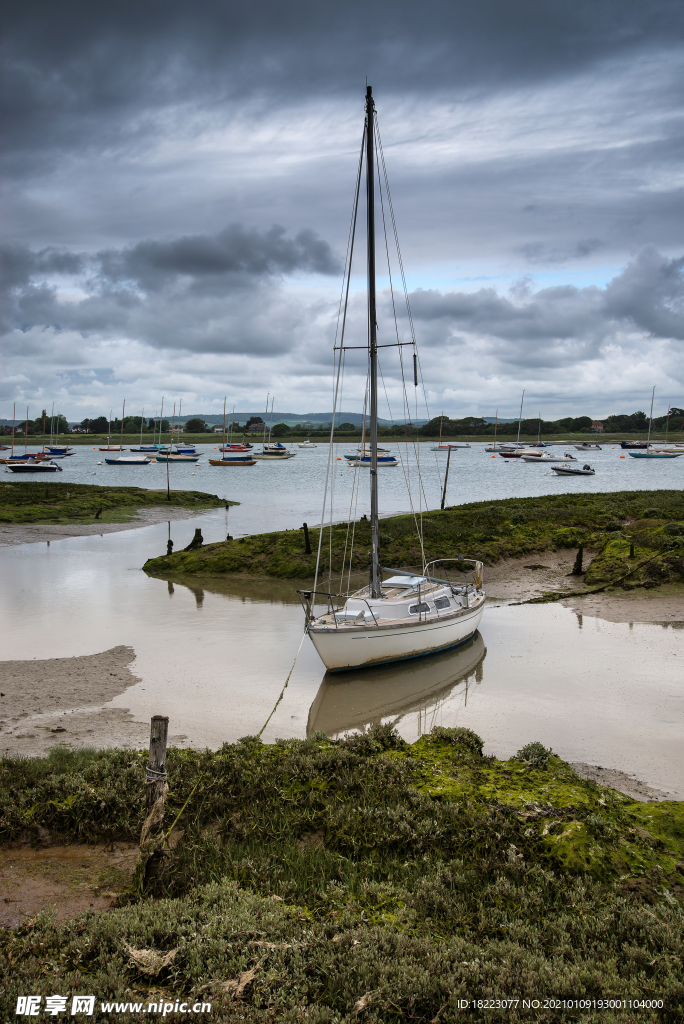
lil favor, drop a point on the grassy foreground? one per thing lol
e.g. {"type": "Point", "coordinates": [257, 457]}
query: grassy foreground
{"type": "Point", "coordinates": [361, 880]}
{"type": "Point", "coordinates": [651, 520]}
{"type": "Point", "coordinates": [42, 502]}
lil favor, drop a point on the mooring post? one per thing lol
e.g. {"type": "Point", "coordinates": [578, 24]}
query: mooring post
{"type": "Point", "coordinates": [446, 477]}
{"type": "Point", "coordinates": [577, 567]}
{"type": "Point", "coordinates": [307, 542]}
{"type": "Point", "coordinates": [156, 791]}
{"type": "Point", "coordinates": [156, 786]}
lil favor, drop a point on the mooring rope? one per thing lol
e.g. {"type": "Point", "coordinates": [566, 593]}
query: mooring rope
{"type": "Point", "coordinates": [284, 687]}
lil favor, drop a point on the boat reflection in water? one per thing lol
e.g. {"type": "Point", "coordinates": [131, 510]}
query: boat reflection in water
{"type": "Point", "coordinates": [364, 697]}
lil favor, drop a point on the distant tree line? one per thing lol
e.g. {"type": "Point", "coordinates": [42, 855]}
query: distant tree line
{"type": "Point", "coordinates": [476, 426]}
{"type": "Point", "coordinates": [637, 422]}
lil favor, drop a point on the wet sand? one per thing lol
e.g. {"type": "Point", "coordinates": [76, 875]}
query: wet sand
{"type": "Point", "coordinates": [621, 781]}
{"type": "Point", "coordinates": [58, 701]}
{"type": "Point", "coordinates": [522, 579]}
{"type": "Point", "coordinates": [37, 533]}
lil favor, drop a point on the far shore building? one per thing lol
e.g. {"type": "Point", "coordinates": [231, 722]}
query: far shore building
{"type": "Point", "coordinates": [597, 426]}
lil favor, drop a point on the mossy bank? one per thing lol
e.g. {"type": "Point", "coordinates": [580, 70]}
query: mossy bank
{"type": "Point", "coordinates": [611, 523]}
{"type": "Point", "coordinates": [41, 502]}
{"type": "Point", "coordinates": [361, 879]}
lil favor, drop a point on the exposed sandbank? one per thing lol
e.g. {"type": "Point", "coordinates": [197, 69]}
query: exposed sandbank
{"type": "Point", "coordinates": [35, 533]}
{"type": "Point", "coordinates": [60, 701]}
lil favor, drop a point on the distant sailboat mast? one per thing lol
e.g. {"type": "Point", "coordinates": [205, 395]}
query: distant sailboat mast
{"type": "Point", "coordinates": [520, 416]}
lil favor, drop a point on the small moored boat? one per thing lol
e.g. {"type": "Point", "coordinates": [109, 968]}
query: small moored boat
{"type": "Point", "coordinates": [34, 466]}
{"type": "Point", "coordinates": [129, 460]}
{"type": "Point", "coordinates": [574, 470]}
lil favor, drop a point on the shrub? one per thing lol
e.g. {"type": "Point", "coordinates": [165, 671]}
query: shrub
{"type": "Point", "coordinates": [535, 754]}
{"type": "Point", "coordinates": [459, 737]}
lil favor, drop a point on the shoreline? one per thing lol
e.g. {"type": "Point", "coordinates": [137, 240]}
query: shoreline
{"type": "Point", "coordinates": [63, 703]}
{"type": "Point", "coordinates": [13, 534]}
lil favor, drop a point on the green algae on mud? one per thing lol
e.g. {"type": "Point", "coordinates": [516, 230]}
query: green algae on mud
{"type": "Point", "coordinates": [319, 873]}
{"type": "Point", "coordinates": [489, 531]}
{"type": "Point", "coordinates": [43, 502]}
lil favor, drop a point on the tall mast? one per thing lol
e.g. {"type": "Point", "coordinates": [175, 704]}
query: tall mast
{"type": "Point", "coordinates": [376, 590]}
{"type": "Point", "coordinates": [650, 422]}
{"type": "Point", "coordinates": [520, 416]}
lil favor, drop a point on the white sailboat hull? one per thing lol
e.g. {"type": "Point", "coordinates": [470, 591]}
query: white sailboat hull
{"type": "Point", "coordinates": [353, 647]}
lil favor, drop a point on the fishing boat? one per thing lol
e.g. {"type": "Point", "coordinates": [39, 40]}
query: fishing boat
{"type": "Point", "coordinates": [33, 465]}
{"type": "Point", "coordinates": [409, 614]}
{"type": "Point", "coordinates": [574, 470]}
{"type": "Point", "coordinates": [129, 460]}
{"type": "Point", "coordinates": [633, 444]}
{"type": "Point", "coordinates": [307, 444]}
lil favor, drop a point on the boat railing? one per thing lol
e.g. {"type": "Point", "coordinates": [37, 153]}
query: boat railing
{"type": "Point", "coordinates": [479, 566]}
{"type": "Point", "coordinates": [307, 599]}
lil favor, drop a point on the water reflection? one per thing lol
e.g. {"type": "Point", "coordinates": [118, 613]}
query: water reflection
{"type": "Point", "coordinates": [357, 700]}
{"type": "Point", "coordinates": [271, 591]}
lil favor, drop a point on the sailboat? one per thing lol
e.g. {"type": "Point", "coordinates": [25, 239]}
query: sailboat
{"type": "Point", "coordinates": [233, 455]}
{"type": "Point", "coordinates": [408, 614]}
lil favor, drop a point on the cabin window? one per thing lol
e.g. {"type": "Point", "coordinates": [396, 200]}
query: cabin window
{"type": "Point", "coordinates": [422, 607]}
{"type": "Point", "coordinates": [442, 602]}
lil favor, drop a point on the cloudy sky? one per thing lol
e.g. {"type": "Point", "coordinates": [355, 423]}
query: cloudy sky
{"type": "Point", "coordinates": [177, 186]}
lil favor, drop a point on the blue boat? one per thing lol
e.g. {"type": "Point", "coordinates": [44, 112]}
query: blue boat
{"type": "Point", "coordinates": [655, 455]}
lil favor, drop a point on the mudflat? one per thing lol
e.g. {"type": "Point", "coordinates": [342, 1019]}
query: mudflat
{"type": "Point", "coordinates": [55, 701]}
{"type": "Point", "coordinates": [36, 533]}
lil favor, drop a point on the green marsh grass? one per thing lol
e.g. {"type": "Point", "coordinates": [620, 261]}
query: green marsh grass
{"type": "Point", "coordinates": [404, 877]}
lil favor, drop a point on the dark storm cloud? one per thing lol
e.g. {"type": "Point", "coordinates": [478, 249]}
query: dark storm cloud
{"type": "Point", "coordinates": [183, 293]}
{"type": "Point", "coordinates": [78, 72]}
{"type": "Point", "coordinates": [207, 259]}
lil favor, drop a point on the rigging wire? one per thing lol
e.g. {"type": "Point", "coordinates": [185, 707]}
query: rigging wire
{"type": "Point", "coordinates": [344, 296]}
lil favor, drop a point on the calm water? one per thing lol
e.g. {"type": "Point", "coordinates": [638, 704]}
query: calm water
{"type": "Point", "coordinates": [278, 496]}
{"type": "Point", "coordinates": [214, 658]}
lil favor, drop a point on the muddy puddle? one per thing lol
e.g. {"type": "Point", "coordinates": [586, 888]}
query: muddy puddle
{"type": "Point", "coordinates": [68, 880]}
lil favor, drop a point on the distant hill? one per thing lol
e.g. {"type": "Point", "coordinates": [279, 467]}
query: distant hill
{"type": "Point", "coordinates": [290, 418]}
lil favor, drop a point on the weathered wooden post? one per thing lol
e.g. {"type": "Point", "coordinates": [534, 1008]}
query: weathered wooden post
{"type": "Point", "coordinates": [156, 791]}
{"type": "Point", "coordinates": [446, 477]}
{"type": "Point", "coordinates": [307, 542]}
{"type": "Point", "coordinates": [156, 786]}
